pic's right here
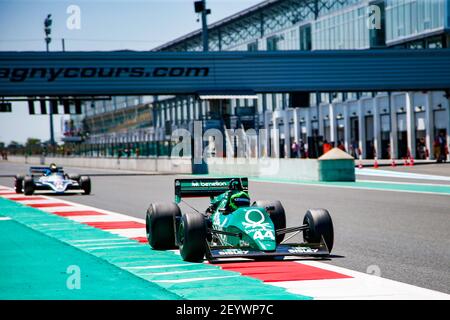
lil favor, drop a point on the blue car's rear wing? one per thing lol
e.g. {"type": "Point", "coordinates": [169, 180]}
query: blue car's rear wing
{"type": "Point", "coordinates": [206, 187]}
{"type": "Point", "coordinates": [42, 170]}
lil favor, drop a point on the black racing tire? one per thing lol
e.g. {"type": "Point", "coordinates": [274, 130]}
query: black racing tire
{"type": "Point", "coordinates": [28, 186]}
{"type": "Point", "coordinates": [18, 183]}
{"type": "Point", "coordinates": [74, 176]}
{"type": "Point", "coordinates": [319, 225]}
{"type": "Point", "coordinates": [192, 234]}
{"type": "Point", "coordinates": [85, 184]}
{"type": "Point", "coordinates": [159, 225]}
{"type": "Point", "coordinates": [277, 215]}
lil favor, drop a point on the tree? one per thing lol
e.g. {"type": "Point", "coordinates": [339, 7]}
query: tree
{"type": "Point", "coordinates": [33, 146]}
{"type": "Point", "coordinates": [14, 145]}
{"type": "Point", "coordinates": [32, 142]}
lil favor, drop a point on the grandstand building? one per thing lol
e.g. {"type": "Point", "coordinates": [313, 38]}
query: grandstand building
{"type": "Point", "coordinates": [368, 124]}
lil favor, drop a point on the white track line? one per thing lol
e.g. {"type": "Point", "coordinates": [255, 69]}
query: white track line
{"type": "Point", "coordinates": [159, 266]}
{"type": "Point", "coordinates": [350, 187]}
{"type": "Point", "coordinates": [410, 183]}
{"type": "Point", "coordinates": [195, 279]}
{"type": "Point", "coordinates": [113, 247]}
{"type": "Point", "coordinates": [176, 272]}
{"type": "Point", "coordinates": [103, 243]}
{"type": "Point", "coordinates": [399, 174]}
{"type": "Point", "coordinates": [64, 209]}
{"type": "Point", "coordinates": [95, 240]}
{"type": "Point", "coordinates": [67, 208]}
{"type": "Point", "coordinates": [99, 218]}
{"type": "Point", "coordinates": [31, 201]}
{"type": "Point", "coordinates": [129, 233]}
{"type": "Point", "coordinates": [360, 286]}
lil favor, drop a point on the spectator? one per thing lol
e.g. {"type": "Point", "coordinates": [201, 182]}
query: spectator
{"type": "Point", "coordinates": [302, 149]}
{"type": "Point", "coordinates": [354, 149]}
{"type": "Point", "coordinates": [326, 146]}
{"type": "Point", "coordinates": [421, 149]}
{"type": "Point", "coordinates": [341, 145]}
{"type": "Point", "coordinates": [294, 150]}
{"type": "Point", "coordinates": [440, 147]}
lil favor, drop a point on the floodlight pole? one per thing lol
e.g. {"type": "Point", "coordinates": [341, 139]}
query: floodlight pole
{"type": "Point", "coordinates": [205, 27]}
{"type": "Point", "coordinates": [47, 30]}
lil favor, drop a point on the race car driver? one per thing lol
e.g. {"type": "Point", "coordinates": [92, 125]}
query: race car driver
{"type": "Point", "coordinates": [53, 168]}
{"type": "Point", "coordinates": [231, 200]}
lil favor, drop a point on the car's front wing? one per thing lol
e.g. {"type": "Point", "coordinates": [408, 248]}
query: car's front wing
{"type": "Point", "coordinates": [282, 250]}
{"type": "Point", "coordinates": [49, 187]}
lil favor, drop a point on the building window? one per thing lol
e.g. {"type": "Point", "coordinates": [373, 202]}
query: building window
{"type": "Point", "coordinates": [411, 17]}
{"type": "Point", "coordinates": [274, 101]}
{"type": "Point", "coordinates": [416, 45]}
{"type": "Point", "coordinates": [272, 43]}
{"type": "Point", "coordinates": [305, 38]}
{"type": "Point", "coordinates": [252, 46]}
{"type": "Point", "coordinates": [435, 43]}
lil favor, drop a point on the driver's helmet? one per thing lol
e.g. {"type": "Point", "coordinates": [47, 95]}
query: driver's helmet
{"type": "Point", "coordinates": [239, 199]}
{"type": "Point", "coordinates": [53, 168]}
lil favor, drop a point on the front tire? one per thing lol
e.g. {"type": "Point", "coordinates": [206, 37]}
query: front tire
{"type": "Point", "coordinates": [73, 176]}
{"type": "Point", "coordinates": [319, 225]}
{"type": "Point", "coordinates": [192, 236]}
{"type": "Point", "coordinates": [159, 225]}
{"type": "Point", "coordinates": [85, 184]}
{"type": "Point", "coordinates": [277, 215]}
{"type": "Point", "coordinates": [18, 184]}
{"type": "Point", "coordinates": [28, 186]}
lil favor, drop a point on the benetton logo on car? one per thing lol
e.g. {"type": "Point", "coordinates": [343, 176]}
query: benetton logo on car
{"type": "Point", "coordinates": [209, 184]}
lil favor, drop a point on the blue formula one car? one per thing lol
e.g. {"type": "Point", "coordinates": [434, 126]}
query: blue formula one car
{"type": "Point", "coordinates": [232, 226]}
{"type": "Point", "coordinates": [53, 179]}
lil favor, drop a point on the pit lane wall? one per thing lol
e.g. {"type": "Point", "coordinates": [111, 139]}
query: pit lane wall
{"type": "Point", "coordinates": [292, 169]}
{"type": "Point", "coordinates": [285, 169]}
{"type": "Point", "coordinates": [163, 165]}
{"type": "Point", "coordinates": [335, 165]}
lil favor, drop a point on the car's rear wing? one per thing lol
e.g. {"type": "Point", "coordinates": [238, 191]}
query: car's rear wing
{"type": "Point", "coordinates": [41, 170]}
{"type": "Point", "coordinates": [204, 187]}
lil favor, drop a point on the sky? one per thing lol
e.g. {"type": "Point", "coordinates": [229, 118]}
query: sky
{"type": "Point", "coordinates": [104, 25]}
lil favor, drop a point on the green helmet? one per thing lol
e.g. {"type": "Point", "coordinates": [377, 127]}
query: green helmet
{"type": "Point", "coordinates": [239, 199]}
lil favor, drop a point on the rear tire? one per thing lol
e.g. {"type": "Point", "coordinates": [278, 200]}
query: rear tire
{"type": "Point", "coordinates": [18, 184]}
{"type": "Point", "coordinates": [320, 225]}
{"type": "Point", "coordinates": [28, 186]}
{"type": "Point", "coordinates": [192, 235]}
{"type": "Point", "coordinates": [159, 225]}
{"type": "Point", "coordinates": [85, 184]}
{"type": "Point", "coordinates": [277, 215]}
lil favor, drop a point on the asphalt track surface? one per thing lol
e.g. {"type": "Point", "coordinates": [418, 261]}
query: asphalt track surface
{"type": "Point", "coordinates": [403, 235]}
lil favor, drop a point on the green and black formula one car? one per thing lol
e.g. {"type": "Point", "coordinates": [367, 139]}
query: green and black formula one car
{"type": "Point", "coordinates": [232, 227]}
